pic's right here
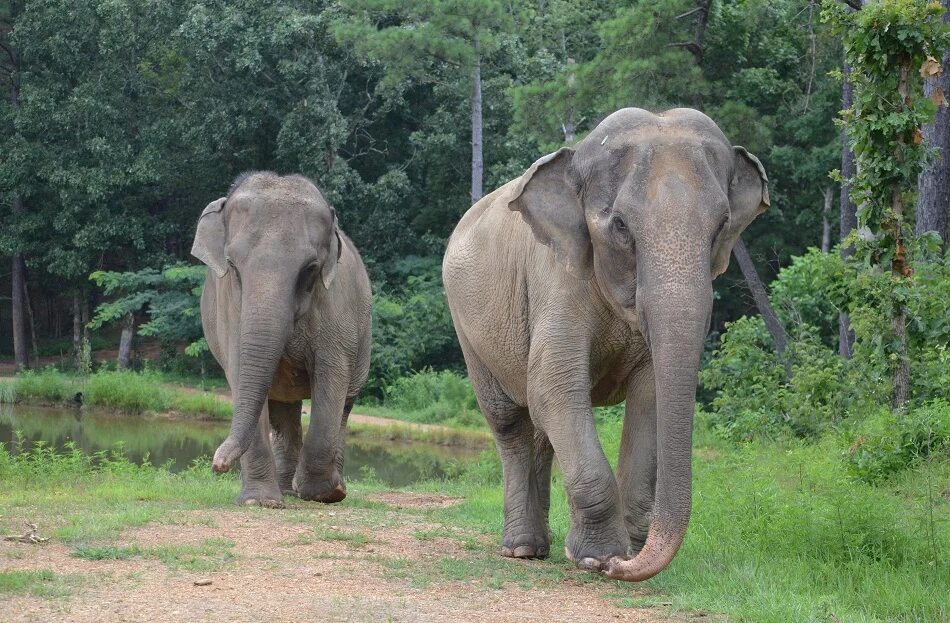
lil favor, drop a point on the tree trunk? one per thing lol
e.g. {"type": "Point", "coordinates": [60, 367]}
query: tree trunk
{"type": "Point", "coordinates": [125, 342]}
{"type": "Point", "coordinates": [779, 337]}
{"type": "Point", "coordinates": [933, 185]}
{"type": "Point", "coordinates": [77, 332]}
{"type": "Point", "coordinates": [569, 125]}
{"type": "Point", "coordinates": [900, 267]}
{"type": "Point", "coordinates": [849, 216]}
{"type": "Point", "coordinates": [478, 165]}
{"type": "Point", "coordinates": [18, 276]}
{"type": "Point", "coordinates": [825, 223]}
{"type": "Point", "coordinates": [16, 295]}
{"type": "Point", "coordinates": [29, 314]}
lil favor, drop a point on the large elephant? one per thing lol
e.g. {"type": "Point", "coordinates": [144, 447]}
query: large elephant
{"type": "Point", "coordinates": [286, 311]}
{"type": "Point", "coordinates": [588, 280]}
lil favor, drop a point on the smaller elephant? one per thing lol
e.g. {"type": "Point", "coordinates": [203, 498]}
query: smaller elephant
{"type": "Point", "coordinates": [286, 312]}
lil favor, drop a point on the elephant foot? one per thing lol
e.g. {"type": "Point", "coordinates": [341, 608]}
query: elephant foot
{"type": "Point", "coordinates": [525, 546]}
{"type": "Point", "coordinates": [326, 491]}
{"type": "Point", "coordinates": [593, 551]}
{"type": "Point", "coordinates": [286, 484]}
{"type": "Point", "coordinates": [260, 496]}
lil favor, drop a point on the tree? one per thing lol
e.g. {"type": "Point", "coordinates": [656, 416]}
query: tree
{"type": "Point", "coordinates": [427, 42]}
{"type": "Point", "coordinates": [170, 298]}
{"type": "Point", "coordinates": [886, 43]}
{"type": "Point", "coordinates": [933, 187]}
{"type": "Point", "coordinates": [10, 71]}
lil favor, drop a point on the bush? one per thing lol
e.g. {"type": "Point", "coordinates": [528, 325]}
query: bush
{"type": "Point", "coordinates": [435, 397]}
{"type": "Point", "coordinates": [47, 385]}
{"type": "Point", "coordinates": [751, 395]}
{"type": "Point", "coordinates": [127, 391]}
{"type": "Point", "coordinates": [412, 326]}
{"type": "Point", "coordinates": [884, 444]}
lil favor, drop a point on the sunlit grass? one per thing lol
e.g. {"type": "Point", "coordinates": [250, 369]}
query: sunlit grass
{"type": "Point", "coordinates": [126, 391]}
{"type": "Point", "coordinates": [780, 531]}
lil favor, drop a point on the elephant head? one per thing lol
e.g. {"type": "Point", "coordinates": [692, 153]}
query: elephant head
{"type": "Point", "coordinates": [276, 242]}
{"type": "Point", "coordinates": [649, 207]}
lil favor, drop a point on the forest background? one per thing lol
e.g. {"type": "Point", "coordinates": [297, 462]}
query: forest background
{"type": "Point", "coordinates": [123, 119]}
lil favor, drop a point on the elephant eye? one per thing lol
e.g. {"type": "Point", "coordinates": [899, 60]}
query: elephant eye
{"type": "Point", "coordinates": [308, 277]}
{"type": "Point", "coordinates": [618, 224]}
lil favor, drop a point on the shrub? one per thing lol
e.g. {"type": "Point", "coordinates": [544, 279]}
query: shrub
{"type": "Point", "coordinates": [127, 391]}
{"type": "Point", "coordinates": [435, 397]}
{"type": "Point", "coordinates": [412, 326]}
{"type": "Point", "coordinates": [48, 385]}
{"type": "Point", "coordinates": [884, 443]}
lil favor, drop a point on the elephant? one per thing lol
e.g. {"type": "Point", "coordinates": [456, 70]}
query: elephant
{"type": "Point", "coordinates": [286, 311]}
{"type": "Point", "coordinates": [585, 282]}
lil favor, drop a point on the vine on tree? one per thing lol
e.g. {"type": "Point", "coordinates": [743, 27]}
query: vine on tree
{"type": "Point", "coordinates": [890, 45]}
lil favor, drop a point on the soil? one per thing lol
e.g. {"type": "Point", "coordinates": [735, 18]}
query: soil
{"type": "Point", "coordinates": [283, 572]}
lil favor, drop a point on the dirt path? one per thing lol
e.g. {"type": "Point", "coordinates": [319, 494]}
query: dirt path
{"type": "Point", "coordinates": [379, 563]}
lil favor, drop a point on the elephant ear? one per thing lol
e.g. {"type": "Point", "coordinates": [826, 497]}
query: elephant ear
{"type": "Point", "coordinates": [210, 237]}
{"type": "Point", "coordinates": [548, 202]}
{"type": "Point", "coordinates": [748, 197]}
{"type": "Point", "coordinates": [333, 255]}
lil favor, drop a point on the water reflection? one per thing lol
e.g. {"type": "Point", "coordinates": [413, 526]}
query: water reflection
{"type": "Point", "coordinates": [179, 442]}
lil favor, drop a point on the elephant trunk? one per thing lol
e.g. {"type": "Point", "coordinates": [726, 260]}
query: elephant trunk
{"type": "Point", "coordinates": [675, 333]}
{"type": "Point", "coordinates": [262, 341]}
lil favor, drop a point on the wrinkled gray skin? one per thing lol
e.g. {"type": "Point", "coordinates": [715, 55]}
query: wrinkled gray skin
{"type": "Point", "coordinates": [588, 280]}
{"type": "Point", "coordinates": [286, 312]}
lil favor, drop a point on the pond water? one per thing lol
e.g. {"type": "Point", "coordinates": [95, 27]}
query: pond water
{"type": "Point", "coordinates": [179, 442]}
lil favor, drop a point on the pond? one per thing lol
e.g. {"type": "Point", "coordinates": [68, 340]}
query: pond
{"type": "Point", "coordinates": [179, 442]}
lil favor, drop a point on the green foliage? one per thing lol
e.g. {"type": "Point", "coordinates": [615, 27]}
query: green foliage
{"type": "Point", "coordinates": [124, 390]}
{"type": "Point", "coordinates": [128, 391]}
{"type": "Point", "coordinates": [41, 583]}
{"type": "Point", "coordinates": [416, 39]}
{"type": "Point", "coordinates": [753, 397]}
{"type": "Point", "coordinates": [883, 444]}
{"type": "Point", "coordinates": [886, 42]}
{"type": "Point", "coordinates": [812, 290]}
{"type": "Point", "coordinates": [171, 298]}
{"type": "Point", "coordinates": [47, 385]}
{"type": "Point", "coordinates": [435, 398]}
{"type": "Point", "coordinates": [412, 325]}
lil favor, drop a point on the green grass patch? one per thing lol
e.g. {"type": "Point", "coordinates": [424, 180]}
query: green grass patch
{"type": "Point", "coordinates": [126, 391]}
{"type": "Point", "coordinates": [107, 552]}
{"type": "Point", "coordinates": [430, 397]}
{"type": "Point", "coordinates": [47, 385]}
{"type": "Point", "coordinates": [42, 583]}
{"type": "Point", "coordinates": [212, 554]}
{"type": "Point", "coordinates": [443, 436]}
{"type": "Point", "coordinates": [781, 530]}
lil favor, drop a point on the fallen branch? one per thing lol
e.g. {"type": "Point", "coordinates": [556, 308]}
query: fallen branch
{"type": "Point", "coordinates": [29, 538]}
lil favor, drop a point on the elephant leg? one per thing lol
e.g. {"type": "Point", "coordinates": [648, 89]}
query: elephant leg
{"type": "Point", "coordinates": [525, 460]}
{"type": "Point", "coordinates": [319, 474]}
{"type": "Point", "coordinates": [559, 403]}
{"type": "Point", "coordinates": [288, 439]}
{"type": "Point", "coordinates": [258, 470]}
{"type": "Point", "coordinates": [636, 467]}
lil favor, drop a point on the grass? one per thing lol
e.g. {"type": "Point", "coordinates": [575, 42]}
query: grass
{"type": "Point", "coordinates": [37, 583]}
{"type": "Point", "coordinates": [780, 530]}
{"type": "Point", "coordinates": [126, 391]}
{"type": "Point", "coordinates": [444, 436]}
{"type": "Point", "coordinates": [430, 397]}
